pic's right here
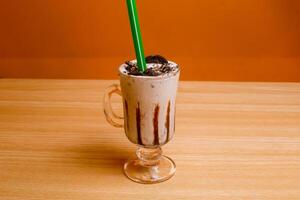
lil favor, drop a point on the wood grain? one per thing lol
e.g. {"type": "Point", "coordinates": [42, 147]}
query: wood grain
{"type": "Point", "coordinates": [232, 141]}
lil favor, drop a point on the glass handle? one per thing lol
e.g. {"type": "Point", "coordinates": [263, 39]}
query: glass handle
{"type": "Point", "coordinates": [111, 116]}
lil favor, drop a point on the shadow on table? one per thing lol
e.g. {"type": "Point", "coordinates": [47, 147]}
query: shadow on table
{"type": "Point", "coordinates": [101, 155]}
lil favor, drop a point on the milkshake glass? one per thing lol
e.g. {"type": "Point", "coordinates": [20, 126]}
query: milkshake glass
{"type": "Point", "coordinates": [149, 121]}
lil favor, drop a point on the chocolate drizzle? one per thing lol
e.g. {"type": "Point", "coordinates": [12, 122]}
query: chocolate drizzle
{"type": "Point", "coordinates": [167, 123]}
{"type": "Point", "coordinates": [155, 125]}
{"type": "Point", "coordinates": [126, 115]}
{"type": "Point", "coordinates": [174, 118]}
{"type": "Point", "coordinates": [138, 125]}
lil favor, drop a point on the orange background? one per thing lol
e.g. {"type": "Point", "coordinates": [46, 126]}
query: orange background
{"type": "Point", "coordinates": [235, 40]}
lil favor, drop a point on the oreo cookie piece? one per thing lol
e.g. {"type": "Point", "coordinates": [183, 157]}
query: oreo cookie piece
{"type": "Point", "coordinates": [156, 59]}
{"type": "Point", "coordinates": [132, 69]}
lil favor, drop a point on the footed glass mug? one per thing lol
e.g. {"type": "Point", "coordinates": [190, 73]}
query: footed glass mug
{"type": "Point", "coordinates": [149, 121]}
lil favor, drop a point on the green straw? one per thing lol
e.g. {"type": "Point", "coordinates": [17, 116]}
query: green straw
{"type": "Point", "coordinates": [136, 35]}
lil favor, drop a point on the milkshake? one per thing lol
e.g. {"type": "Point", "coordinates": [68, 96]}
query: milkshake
{"type": "Point", "coordinates": [149, 98]}
{"type": "Point", "coordinates": [149, 102]}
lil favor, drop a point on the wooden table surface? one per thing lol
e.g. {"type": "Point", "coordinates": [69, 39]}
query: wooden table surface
{"type": "Point", "coordinates": [232, 141]}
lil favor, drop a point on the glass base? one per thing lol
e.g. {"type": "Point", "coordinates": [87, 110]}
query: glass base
{"type": "Point", "coordinates": [149, 167]}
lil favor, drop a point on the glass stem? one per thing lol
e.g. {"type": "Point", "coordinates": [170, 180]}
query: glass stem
{"type": "Point", "coordinates": [149, 156]}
